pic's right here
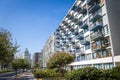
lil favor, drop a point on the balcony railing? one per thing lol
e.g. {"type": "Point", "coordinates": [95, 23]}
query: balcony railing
{"type": "Point", "coordinates": [75, 19]}
{"type": "Point", "coordinates": [96, 26]}
{"type": "Point", "coordinates": [80, 37]}
{"type": "Point", "coordinates": [85, 25]}
{"type": "Point", "coordinates": [93, 8]}
{"type": "Point", "coordinates": [95, 16]}
{"type": "Point", "coordinates": [86, 42]}
{"type": "Point", "coordinates": [98, 36]}
{"type": "Point", "coordinates": [79, 23]}
{"type": "Point", "coordinates": [83, 10]}
{"type": "Point", "coordinates": [76, 32]}
{"type": "Point", "coordinates": [99, 47]}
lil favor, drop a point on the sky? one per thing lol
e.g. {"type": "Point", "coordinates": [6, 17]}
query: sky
{"type": "Point", "coordinates": [32, 21]}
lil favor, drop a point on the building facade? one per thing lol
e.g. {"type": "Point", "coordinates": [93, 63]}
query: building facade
{"type": "Point", "coordinates": [48, 49]}
{"type": "Point", "coordinates": [36, 57]}
{"type": "Point", "coordinates": [90, 30]}
{"type": "Point", "coordinates": [41, 60]}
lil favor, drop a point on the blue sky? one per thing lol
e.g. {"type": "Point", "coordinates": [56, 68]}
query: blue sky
{"type": "Point", "coordinates": [32, 21]}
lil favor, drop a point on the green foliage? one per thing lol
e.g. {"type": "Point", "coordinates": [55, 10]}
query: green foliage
{"type": "Point", "coordinates": [88, 73]}
{"type": "Point", "coordinates": [91, 73]}
{"type": "Point", "coordinates": [38, 73]}
{"type": "Point", "coordinates": [4, 71]}
{"type": "Point", "coordinates": [20, 64]}
{"type": "Point", "coordinates": [7, 48]}
{"type": "Point", "coordinates": [60, 59]}
{"type": "Point", "coordinates": [36, 66]}
{"type": "Point", "coordinates": [111, 74]}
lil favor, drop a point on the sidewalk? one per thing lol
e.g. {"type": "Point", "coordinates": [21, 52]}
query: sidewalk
{"type": "Point", "coordinates": [26, 76]}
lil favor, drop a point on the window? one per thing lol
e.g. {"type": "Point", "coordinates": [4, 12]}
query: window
{"type": "Point", "coordinates": [107, 41]}
{"type": "Point", "coordinates": [88, 56]}
{"type": "Point", "coordinates": [87, 47]}
{"type": "Point", "coordinates": [108, 65]}
{"type": "Point", "coordinates": [82, 57]}
{"type": "Point", "coordinates": [86, 29]}
{"type": "Point", "coordinates": [106, 30]}
{"type": "Point", "coordinates": [78, 58]}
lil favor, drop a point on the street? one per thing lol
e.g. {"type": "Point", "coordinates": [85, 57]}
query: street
{"type": "Point", "coordinates": [23, 76]}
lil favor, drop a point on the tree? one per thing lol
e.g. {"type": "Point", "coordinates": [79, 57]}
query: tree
{"type": "Point", "coordinates": [16, 65]}
{"type": "Point", "coordinates": [36, 65]}
{"type": "Point", "coordinates": [20, 64]}
{"type": "Point", "coordinates": [7, 48]}
{"type": "Point", "coordinates": [24, 64]}
{"type": "Point", "coordinates": [60, 60]}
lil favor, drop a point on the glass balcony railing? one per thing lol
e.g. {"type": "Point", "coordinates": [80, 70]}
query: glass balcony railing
{"type": "Point", "coordinates": [76, 32]}
{"type": "Point", "coordinates": [83, 10]}
{"type": "Point", "coordinates": [75, 19]}
{"type": "Point", "coordinates": [64, 41]}
{"type": "Point", "coordinates": [95, 37]}
{"type": "Point", "coordinates": [84, 25]}
{"type": "Point", "coordinates": [78, 9]}
{"type": "Point", "coordinates": [86, 42]}
{"type": "Point", "coordinates": [99, 47]}
{"type": "Point", "coordinates": [77, 50]}
{"type": "Point", "coordinates": [93, 8]}
{"type": "Point", "coordinates": [96, 26]}
{"type": "Point", "coordinates": [74, 8]}
{"type": "Point", "coordinates": [80, 37]}
{"type": "Point", "coordinates": [95, 16]}
{"type": "Point", "coordinates": [79, 23]}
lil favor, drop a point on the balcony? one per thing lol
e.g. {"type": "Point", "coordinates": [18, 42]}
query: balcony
{"type": "Point", "coordinates": [64, 41]}
{"type": "Point", "coordinates": [75, 19]}
{"type": "Point", "coordinates": [89, 2]}
{"type": "Point", "coordinates": [96, 26]}
{"type": "Point", "coordinates": [80, 37]}
{"type": "Point", "coordinates": [74, 8]}
{"type": "Point", "coordinates": [68, 16]}
{"type": "Point", "coordinates": [78, 9]}
{"type": "Point", "coordinates": [97, 37]}
{"type": "Point", "coordinates": [86, 42]}
{"type": "Point", "coordinates": [95, 16]}
{"type": "Point", "coordinates": [77, 51]}
{"type": "Point", "coordinates": [79, 23]}
{"type": "Point", "coordinates": [94, 8]}
{"type": "Point", "coordinates": [82, 52]}
{"type": "Point", "coordinates": [69, 26]}
{"type": "Point", "coordinates": [99, 47]}
{"type": "Point", "coordinates": [84, 26]}
{"type": "Point", "coordinates": [75, 32]}
{"type": "Point", "coordinates": [83, 10]}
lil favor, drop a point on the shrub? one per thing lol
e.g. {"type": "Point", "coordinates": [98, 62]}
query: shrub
{"type": "Point", "coordinates": [38, 73]}
{"type": "Point", "coordinates": [88, 73]}
{"type": "Point", "coordinates": [111, 74]}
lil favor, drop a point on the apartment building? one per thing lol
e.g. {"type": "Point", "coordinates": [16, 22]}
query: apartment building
{"type": "Point", "coordinates": [90, 30]}
{"type": "Point", "coordinates": [48, 50]}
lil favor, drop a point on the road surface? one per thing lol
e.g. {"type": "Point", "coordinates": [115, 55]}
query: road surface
{"type": "Point", "coordinates": [23, 76]}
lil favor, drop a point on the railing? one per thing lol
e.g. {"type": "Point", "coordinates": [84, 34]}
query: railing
{"type": "Point", "coordinates": [98, 13]}
{"type": "Point", "coordinates": [96, 35]}
{"type": "Point", "coordinates": [96, 24]}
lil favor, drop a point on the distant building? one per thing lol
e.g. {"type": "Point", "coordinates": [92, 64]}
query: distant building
{"type": "Point", "coordinates": [48, 50]}
{"type": "Point", "coordinates": [36, 57]}
{"type": "Point", "coordinates": [41, 59]}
